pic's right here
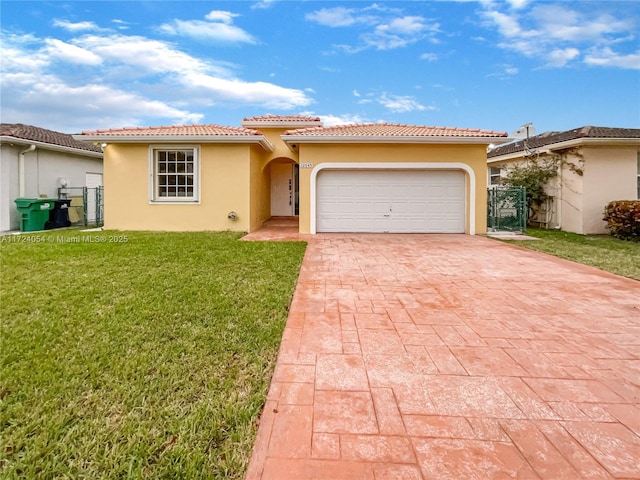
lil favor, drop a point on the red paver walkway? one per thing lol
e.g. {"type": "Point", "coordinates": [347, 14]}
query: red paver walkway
{"type": "Point", "coordinates": [452, 357]}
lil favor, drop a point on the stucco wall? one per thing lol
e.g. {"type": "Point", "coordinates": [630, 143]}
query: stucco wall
{"type": "Point", "coordinates": [260, 193]}
{"type": "Point", "coordinates": [570, 197]}
{"type": "Point", "coordinates": [224, 187]}
{"type": "Point", "coordinates": [609, 174]}
{"type": "Point", "coordinates": [312, 155]}
{"type": "Point", "coordinates": [43, 168]}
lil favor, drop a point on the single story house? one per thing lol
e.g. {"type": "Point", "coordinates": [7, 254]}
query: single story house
{"type": "Point", "coordinates": [595, 166]}
{"type": "Point", "coordinates": [35, 162]}
{"type": "Point", "coordinates": [350, 178]}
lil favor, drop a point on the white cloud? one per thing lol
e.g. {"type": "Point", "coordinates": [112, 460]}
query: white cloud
{"type": "Point", "coordinates": [389, 28]}
{"type": "Point", "coordinates": [561, 23]}
{"type": "Point", "coordinates": [345, 119]}
{"type": "Point", "coordinates": [17, 56]}
{"type": "Point", "coordinates": [205, 79]}
{"type": "Point", "coordinates": [605, 57]}
{"type": "Point", "coordinates": [508, 25]}
{"type": "Point", "coordinates": [70, 53]}
{"type": "Point", "coordinates": [74, 108]}
{"type": "Point", "coordinates": [124, 80]}
{"type": "Point", "coordinates": [561, 56]}
{"type": "Point", "coordinates": [263, 4]}
{"type": "Point", "coordinates": [218, 27]}
{"type": "Point", "coordinates": [399, 32]}
{"type": "Point", "coordinates": [505, 72]}
{"type": "Point", "coordinates": [249, 93]}
{"type": "Point", "coordinates": [558, 33]}
{"type": "Point", "coordinates": [120, 24]}
{"type": "Point", "coordinates": [429, 57]}
{"type": "Point", "coordinates": [145, 55]}
{"type": "Point", "coordinates": [518, 4]}
{"type": "Point", "coordinates": [336, 17]}
{"type": "Point", "coordinates": [401, 104]}
{"type": "Point", "coordinates": [75, 27]}
{"type": "Point", "coordinates": [221, 16]}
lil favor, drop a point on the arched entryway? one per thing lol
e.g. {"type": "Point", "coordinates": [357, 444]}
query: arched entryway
{"type": "Point", "coordinates": [284, 187]}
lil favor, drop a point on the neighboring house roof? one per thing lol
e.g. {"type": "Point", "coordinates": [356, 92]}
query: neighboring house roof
{"type": "Point", "coordinates": [393, 133]}
{"type": "Point", "coordinates": [570, 138]}
{"type": "Point", "coordinates": [208, 133]}
{"type": "Point", "coordinates": [283, 121]}
{"type": "Point", "coordinates": [28, 134]}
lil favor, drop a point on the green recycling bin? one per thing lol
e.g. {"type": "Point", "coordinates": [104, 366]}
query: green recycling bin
{"type": "Point", "coordinates": [34, 212]}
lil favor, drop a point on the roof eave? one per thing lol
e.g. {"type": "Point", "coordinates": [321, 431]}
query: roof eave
{"type": "Point", "coordinates": [508, 156]}
{"type": "Point", "coordinates": [50, 146]}
{"type": "Point", "coordinates": [234, 139]}
{"type": "Point", "coordinates": [415, 139]}
{"type": "Point", "coordinates": [575, 142]}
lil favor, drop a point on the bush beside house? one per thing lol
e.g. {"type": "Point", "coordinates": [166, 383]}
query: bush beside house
{"type": "Point", "coordinates": [623, 219]}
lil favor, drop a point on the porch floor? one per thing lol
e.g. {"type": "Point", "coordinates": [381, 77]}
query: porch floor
{"type": "Point", "coordinates": [277, 229]}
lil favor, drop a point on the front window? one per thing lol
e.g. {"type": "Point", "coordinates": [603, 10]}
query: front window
{"type": "Point", "coordinates": [494, 176]}
{"type": "Point", "coordinates": [175, 174]}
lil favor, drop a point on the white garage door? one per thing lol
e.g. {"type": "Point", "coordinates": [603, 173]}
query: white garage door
{"type": "Point", "coordinates": [395, 201]}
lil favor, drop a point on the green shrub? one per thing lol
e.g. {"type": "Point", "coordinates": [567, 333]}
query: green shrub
{"type": "Point", "coordinates": [533, 176]}
{"type": "Point", "coordinates": [623, 219]}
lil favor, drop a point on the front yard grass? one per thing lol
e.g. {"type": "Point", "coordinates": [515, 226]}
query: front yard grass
{"type": "Point", "coordinates": [149, 358]}
{"type": "Point", "coordinates": [601, 251]}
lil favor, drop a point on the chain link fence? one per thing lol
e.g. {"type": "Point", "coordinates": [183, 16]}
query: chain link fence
{"type": "Point", "coordinates": [86, 207]}
{"type": "Point", "coordinates": [506, 209]}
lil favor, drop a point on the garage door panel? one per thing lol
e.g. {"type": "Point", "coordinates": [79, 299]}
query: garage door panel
{"type": "Point", "coordinates": [390, 201]}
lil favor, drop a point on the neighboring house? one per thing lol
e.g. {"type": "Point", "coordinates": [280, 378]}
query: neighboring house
{"type": "Point", "coordinates": [595, 166]}
{"type": "Point", "coordinates": [35, 162]}
{"type": "Point", "coordinates": [352, 178]}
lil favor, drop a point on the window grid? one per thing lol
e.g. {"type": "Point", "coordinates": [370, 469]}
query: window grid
{"type": "Point", "coordinates": [494, 176]}
{"type": "Point", "coordinates": [175, 174]}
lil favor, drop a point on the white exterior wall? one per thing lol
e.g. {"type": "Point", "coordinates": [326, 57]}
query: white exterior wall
{"type": "Point", "coordinates": [569, 202]}
{"type": "Point", "coordinates": [43, 168]}
{"type": "Point", "coordinates": [9, 187]}
{"type": "Point", "coordinates": [609, 174]}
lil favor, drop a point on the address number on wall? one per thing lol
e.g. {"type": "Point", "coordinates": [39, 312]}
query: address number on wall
{"type": "Point", "coordinates": [306, 165]}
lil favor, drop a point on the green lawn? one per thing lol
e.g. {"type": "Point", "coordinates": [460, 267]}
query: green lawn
{"type": "Point", "coordinates": [144, 358]}
{"type": "Point", "coordinates": [602, 251]}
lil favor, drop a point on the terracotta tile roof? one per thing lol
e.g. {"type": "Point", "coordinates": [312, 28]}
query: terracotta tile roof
{"type": "Point", "coordinates": [284, 119]}
{"type": "Point", "coordinates": [42, 135]}
{"type": "Point", "coordinates": [550, 138]}
{"type": "Point", "coordinates": [176, 130]}
{"type": "Point", "coordinates": [393, 130]}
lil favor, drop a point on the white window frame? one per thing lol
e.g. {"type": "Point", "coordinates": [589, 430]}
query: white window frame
{"type": "Point", "coordinates": [154, 196]}
{"type": "Point", "coordinates": [491, 176]}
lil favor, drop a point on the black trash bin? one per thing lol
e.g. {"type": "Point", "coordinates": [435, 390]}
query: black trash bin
{"type": "Point", "coordinates": [59, 215]}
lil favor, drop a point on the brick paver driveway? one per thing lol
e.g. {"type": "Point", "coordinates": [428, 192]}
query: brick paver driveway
{"type": "Point", "coordinates": [452, 357]}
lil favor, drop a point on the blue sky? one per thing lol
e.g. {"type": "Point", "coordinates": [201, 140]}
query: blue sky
{"type": "Point", "coordinates": [80, 65]}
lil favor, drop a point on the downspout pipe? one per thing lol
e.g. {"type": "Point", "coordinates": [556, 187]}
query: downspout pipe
{"type": "Point", "coordinates": [21, 170]}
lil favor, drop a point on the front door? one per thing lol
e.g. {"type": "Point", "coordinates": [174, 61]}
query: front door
{"type": "Point", "coordinates": [282, 190]}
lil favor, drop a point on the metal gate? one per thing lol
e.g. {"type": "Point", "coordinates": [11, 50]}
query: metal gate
{"type": "Point", "coordinates": [87, 205]}
{"type": "Point", "coordinates": [506, 209]}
